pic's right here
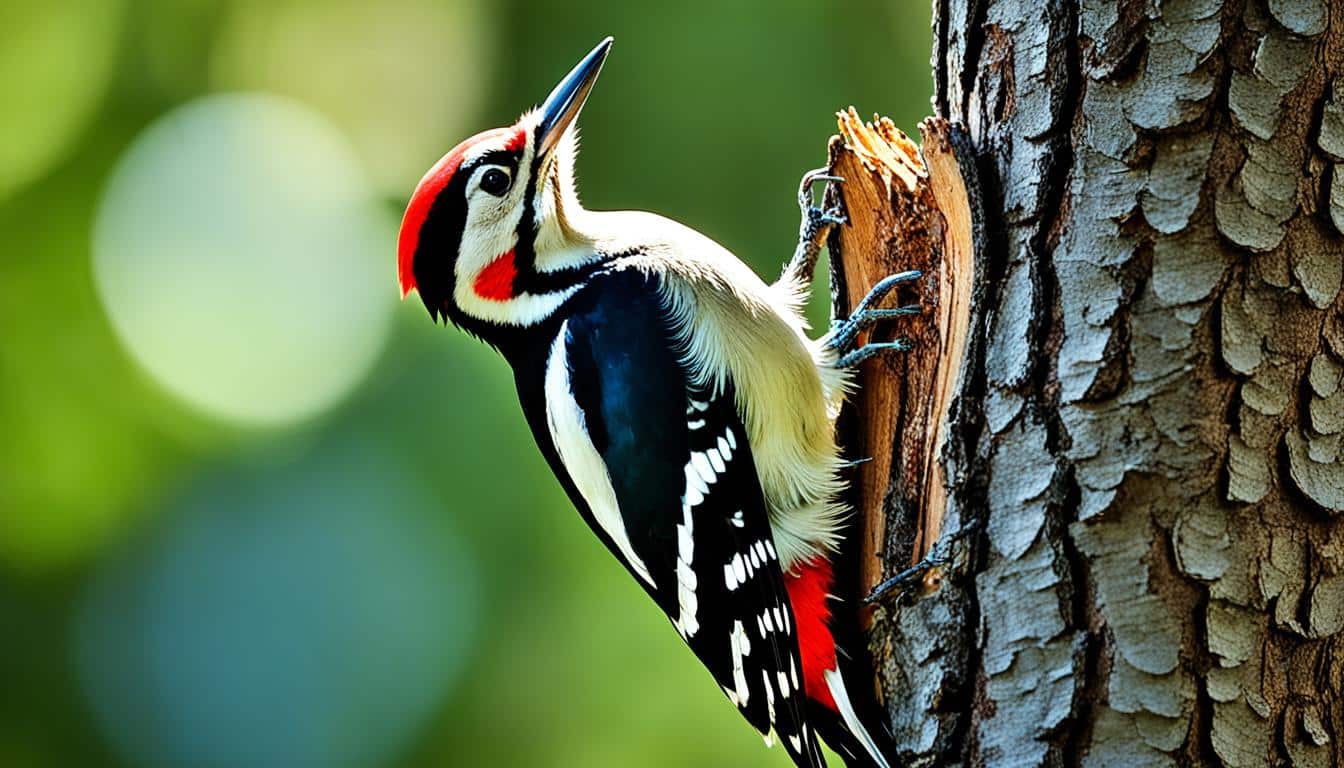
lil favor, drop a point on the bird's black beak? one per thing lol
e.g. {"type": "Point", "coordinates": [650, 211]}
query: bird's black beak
{"type": "Point", "coordinates": [565, 101]}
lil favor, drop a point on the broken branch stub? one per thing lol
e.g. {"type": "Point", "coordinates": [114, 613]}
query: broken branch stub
{"type": "Point", "coordinates": [905, 212]}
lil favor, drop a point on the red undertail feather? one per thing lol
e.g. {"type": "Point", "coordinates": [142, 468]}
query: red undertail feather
{"type": "Point", "coordinates": [808, 588]}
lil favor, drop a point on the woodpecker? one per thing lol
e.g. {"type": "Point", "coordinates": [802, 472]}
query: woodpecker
{"type": "Point", "coordinates": [677, 398]}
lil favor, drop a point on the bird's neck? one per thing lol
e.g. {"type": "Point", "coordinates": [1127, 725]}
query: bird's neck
{"type": "Point", "coordinates": [564, 225]}
{"type": "Point", "coordinates": [568, 234]}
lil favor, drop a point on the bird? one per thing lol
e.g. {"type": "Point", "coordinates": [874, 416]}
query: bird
{"type": "Point", "coordinates": [676, 396]}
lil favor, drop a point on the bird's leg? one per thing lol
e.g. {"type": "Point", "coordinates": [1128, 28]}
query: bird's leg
{"type": "Point", "coordinates": [844, 333]}
{"type": "Point", "coordinates": [815, 226]}
{"type": "Point", "coordinates": [906, 582]}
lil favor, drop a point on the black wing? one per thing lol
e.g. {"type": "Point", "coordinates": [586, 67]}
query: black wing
{"type": "Point", "coordinates": [690, 500]}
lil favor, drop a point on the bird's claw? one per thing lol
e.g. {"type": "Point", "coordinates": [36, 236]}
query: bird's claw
{"type": "Point", "coordinates": [810, 178]}
{"type": "Point", "coordinates": [845, 333]}
{"type": "Point", "coordinates": [868, 351]}
{"type": "Point", "coordinates": [817, 221]}
{"type": "Point", "coordinates": [907, 582]}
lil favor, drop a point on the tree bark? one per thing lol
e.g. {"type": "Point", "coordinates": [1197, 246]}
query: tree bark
{"type": "Point", "coordinates": [1147, 418]}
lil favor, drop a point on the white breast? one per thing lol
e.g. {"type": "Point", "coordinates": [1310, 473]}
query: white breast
{"type": "Point", "coordinates": [581, 459]}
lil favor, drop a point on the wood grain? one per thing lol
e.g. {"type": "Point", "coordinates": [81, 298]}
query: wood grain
{"type": "Point", "coordinates": [906, 210]}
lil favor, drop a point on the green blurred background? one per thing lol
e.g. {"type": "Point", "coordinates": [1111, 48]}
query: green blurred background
{"type": "Point", "coordinates": [254, 511]}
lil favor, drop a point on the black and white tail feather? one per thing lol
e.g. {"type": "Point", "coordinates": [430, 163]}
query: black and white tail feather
{"type": "Point", "coordinates": [766, 683]}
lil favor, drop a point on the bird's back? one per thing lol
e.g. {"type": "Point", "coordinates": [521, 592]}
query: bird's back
{"type": "Point", "coordinates": [731, 326]}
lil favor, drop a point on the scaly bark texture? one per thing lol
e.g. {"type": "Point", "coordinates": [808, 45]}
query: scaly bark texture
{"type": "Point", "coordinates": [1151, 425]}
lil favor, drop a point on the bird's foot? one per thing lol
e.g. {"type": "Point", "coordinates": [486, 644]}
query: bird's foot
{"type": "Point", "coordinates": [869, 351]}
{"type": "Point", "coordinates": [817, 222]}
{"type": "Point", "coordinates": [845, 333]}
{"type": "Point", "coordinates": [814, 228]}
{"type": "Point", "coordinates": [912, 580]}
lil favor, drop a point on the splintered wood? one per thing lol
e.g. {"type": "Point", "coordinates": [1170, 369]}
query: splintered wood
{"type": "Point", "coordinates": [905, 212]}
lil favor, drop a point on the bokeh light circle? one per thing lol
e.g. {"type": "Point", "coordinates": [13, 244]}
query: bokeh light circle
{"type": "Point", "coordinates": [405, 79]}
{"type": "Point", "coordinates": [310, 616]}
{"type": "Point", "coordinates": [243, 260]}
{"type": "Point", "coordinates": [57, 58]}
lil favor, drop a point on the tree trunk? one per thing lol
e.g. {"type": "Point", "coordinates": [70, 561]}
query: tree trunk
{"type": "Point", "coordinates": [1144, 427]}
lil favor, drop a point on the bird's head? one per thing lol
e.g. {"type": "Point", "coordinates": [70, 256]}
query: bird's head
{"type": "Point", "coordinates": [486, 235]}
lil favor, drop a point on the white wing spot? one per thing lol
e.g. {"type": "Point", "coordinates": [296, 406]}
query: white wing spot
{"type": "Point", "coordinates": [693, 480]}
{"type": "Point", "coordinates": [725, 451]}
{"type": "Point", "coordinates": [769, 696]}
{"type": "Point", "coordinates": [737, 519]}
{"type": "Point", "coordinates": [701, 463]}
{"type": "Point", "coordinates": [730, 576]}
{"type": "Point", "coordinates": [686, 577]}
{"type": "Point", "coordinates": [695, 492]}
{"type": "Point", "coordinates": [716, 460]}
{"type": "Point", "coordinates": [765, 615]}
{"type": "Point", "coordinates": [741, 647]}
{"type": "Point", "coordinates": [739, 570]}
{"type": "Point", "coordinates": [686, 622]}
{"type": "Point", "coordinates": [697, 424]}
{"type": "Point", "coordinates": [783, 685]}
{"type": "Point", "coordinates": [685, 542]}
{"type": "Point", "coordinates": [732, 441]}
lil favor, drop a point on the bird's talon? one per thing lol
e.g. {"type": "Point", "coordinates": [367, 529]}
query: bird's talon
{"type": "Point", "coordinates": [810, 178]}
{"type": "Point", "coordinates": [868, 351]}
{"type": "Point", "coordinates": [906, 582]}
{"type": "Point", "coordinates": [845, 333]}
{"type": "Point", "coordinates": [944, 551]}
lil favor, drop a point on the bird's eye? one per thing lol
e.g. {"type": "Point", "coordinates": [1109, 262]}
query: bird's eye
{"type": "Point", "coordinates": [495, 181]}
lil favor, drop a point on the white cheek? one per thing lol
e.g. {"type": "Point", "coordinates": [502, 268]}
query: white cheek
{"type": "Point", "coordinates": [490, 232]}
{"type": "Point", "coordinates": [491, 229]}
